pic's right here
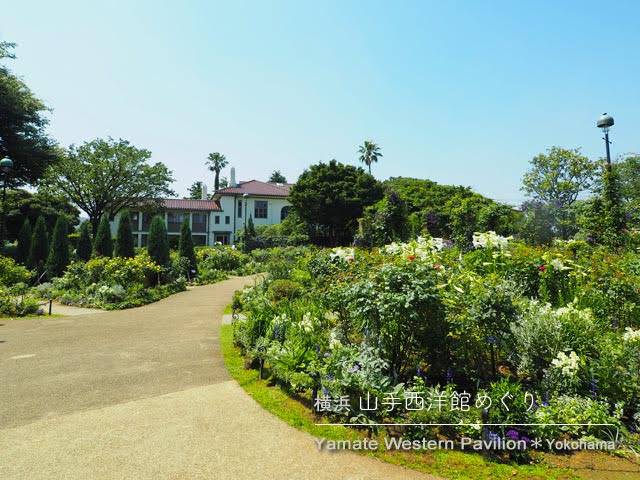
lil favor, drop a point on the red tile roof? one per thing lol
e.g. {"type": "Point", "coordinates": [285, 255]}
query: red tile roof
{"type": "Point", "coordinates": [257, 188]}
{"type": "Point", "coordinates": [188, 204]}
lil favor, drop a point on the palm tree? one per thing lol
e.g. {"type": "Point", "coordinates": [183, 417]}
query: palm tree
{"type": "Point", "coordinates": [369, 153]}
{"type": "Point", "coordinates": [216, 162]}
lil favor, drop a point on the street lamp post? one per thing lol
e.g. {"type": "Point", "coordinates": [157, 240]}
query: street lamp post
{"type": "Point", "coordinates": [6, 164]}
{"type": "Point", "coordinates": [605, 122]}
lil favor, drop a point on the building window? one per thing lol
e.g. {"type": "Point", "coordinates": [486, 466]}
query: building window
{"type": "Point", "coordinates": [239, 208]}
{"type": "Point", "coordinates": [134, 221]}
{"type": "Point", "coordinates": [260, 209]}
{"type": "Point", "coordinates": [284, 213]}
{"type": "Point", "coordinates": [227, 220]}
{"type": "Point", "coordinates": [199, 240]}
{"type": "Point", "coordinates": [143, 240]}
{"type": "Point", "coordinates": [199, 222]}
{"type": "Point", "coordinates": [174, 221]}
{"type": "Point", "coordinates": [217, 220]}
{"type": "Point", "coordinates": [146, 221]}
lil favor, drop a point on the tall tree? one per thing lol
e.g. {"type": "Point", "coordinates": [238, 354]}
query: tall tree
{"type": "Point", "coordinates": [330, 197]}
{"type": "Point", "coordinates": [369, 153]}
{"type": "Point", "coordinates": [105, 176]}
{"type": "Point", "coordinates": [195, 190]}
{"type": "Point", "coordinates": [559, 176]}
{"type": "Point", "coordinates": [24, 242]}
{"type": "Point", "coordinates": [277, 177]}
{"type": "Point", "coordinates": [58, 258]}
{"type": "Point", "coordinates": [216, 162]}
{"type": "Point", "coordinates": [84, 248]}
{"type": "Point", "coordinates": [102, 243]}
{"type": "Point", "coordinates": [22, 126]}
{"type": "Point", "coordinates": [124, 238]}
{"type": "Point", "coordinates": [186, 250]}
{"type": "Point", "coordinates": [158, 242]}
{"type": "Point", "coordinates": [39, 249]}
{"type": "Point", "coordinates": [23, 204]}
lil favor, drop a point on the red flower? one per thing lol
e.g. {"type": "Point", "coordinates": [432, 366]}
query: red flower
{"type": "Point", "coordinates": [542, 268]}
{"type": "Point", "coordinates": [350, 259]}
{"type": "Point", "coordinates": [412, 258]}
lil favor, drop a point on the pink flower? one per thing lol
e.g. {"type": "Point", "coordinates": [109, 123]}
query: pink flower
{"type": "Point", "coordinates": [437, 266]}
{"type": "Point", "coordinates": [351, 259]}
{"type": "Point", "coordinates": [542, 268]}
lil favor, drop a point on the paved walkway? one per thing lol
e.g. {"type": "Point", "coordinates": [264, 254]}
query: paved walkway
{"type": "Point", "coordinates": [144, 394]}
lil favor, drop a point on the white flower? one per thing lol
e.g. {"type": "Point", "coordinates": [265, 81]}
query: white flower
{"type": "Point", "coordinates": [568, 364]}
{"type": "Point", "coordinates": [490, 240]}
{"type": "Point", "coordinates": [346, 254]}
{"type": "Point", "coordinates": [557, 264]}
{"type": "Point", "coordinates": [334, 339]}
{"type": "Point", "coordinates": [630, 335]}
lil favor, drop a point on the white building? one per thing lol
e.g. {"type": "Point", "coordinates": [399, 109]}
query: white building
{"type": "Point", "coordinates": [219, 219]}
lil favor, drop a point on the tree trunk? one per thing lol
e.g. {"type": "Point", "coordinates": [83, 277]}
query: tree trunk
{"type": "Point", "coordinates": [216, 183]}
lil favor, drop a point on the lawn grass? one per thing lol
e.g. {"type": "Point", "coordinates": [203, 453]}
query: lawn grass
{"type": "Point", "coordinates": [449, 464]}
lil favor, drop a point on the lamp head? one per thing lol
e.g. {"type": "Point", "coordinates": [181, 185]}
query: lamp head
{"type": "Point", "coordinates": [605, 122]}
{"type": "Point", "coordinates": [6, 164]}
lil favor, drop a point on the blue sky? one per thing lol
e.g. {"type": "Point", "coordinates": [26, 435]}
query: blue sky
{"type": "Point", "coordinates": [458, 92]}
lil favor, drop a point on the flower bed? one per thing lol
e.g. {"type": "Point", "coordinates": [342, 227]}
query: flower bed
{"type": "Point", "coordinates": [534, 335]}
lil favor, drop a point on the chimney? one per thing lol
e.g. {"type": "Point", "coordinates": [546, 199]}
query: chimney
{"type": "Point", "coordinates": [233, 177]}
{"type": "Point", "coordinates": [203, 195]}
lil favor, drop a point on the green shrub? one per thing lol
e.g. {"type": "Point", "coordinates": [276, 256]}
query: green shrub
{"type": "Point", "coordinates": [158, 243]}
{"type": "Point", "coordinates": [124, 239]}
{"type": "Point", "coordinates": [84, 247]}
{"type": "Point", "coordinates": [102, 243]}
{"type": "Point", "coordinates": [284, 289]}
{"type": "Point", "coordinates": [185, 250]}
{"type": "Point", "coordinates": [12, 273]}
{"type": "Point", "coordinates": [24, 242]}
{"type": "Point", "coordinates": [59, 250]}
{"type": "Point", "coordinates": [39, 249]}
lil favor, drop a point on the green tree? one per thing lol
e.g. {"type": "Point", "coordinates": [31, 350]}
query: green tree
{"type": "Point", "coordinates": [39, 249]}
{"type": "Point", "coordinates": [105, 176]}
{"type": "Point", "coordinates": [23, 204]}
{"type": "Point", "coordinates": [249, 236]}
{"type": "Point", "coordinates": [124, 238]}
{"type": "Point", "coordinates": [158, 242]}
{"type": "Point", "coordinates": [23, 123]}
{"type": "Point", "coordinates": [277, 177]}
{"type": "Point", "coordinates": [24, 242]}
{"type": "Point", "coordinates": [216, 162]}
{"type": "Point", "coordinates": [102, 243]}
{"type": "Point", "coordinates": [606, 220]}
{"type": "Point", "coordinates": [84, 248]}
{"type": "Point", "coordinates": [369, 153]}
{"type": "Point", "coordinates": [58, 258]}
{"type": "Point", "coordinates": [559, 176]}
{"type": "Point", "coordinates": [330, 197]}
{"type": "Point", "coordinates": [195, 190]}
{"type": "Point", "coordinates": [186, 250]}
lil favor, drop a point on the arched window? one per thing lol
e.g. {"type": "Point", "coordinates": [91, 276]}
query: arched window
{"type": "Point", "coordinates": [284, 213]}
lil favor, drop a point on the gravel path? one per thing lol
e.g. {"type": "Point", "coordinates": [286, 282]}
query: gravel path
{"type": "Point", "coordinates": [144, 394]}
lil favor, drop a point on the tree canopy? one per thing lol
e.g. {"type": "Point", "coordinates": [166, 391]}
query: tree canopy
{"type": "Point", "coordinates": [330, 197]}
{"type": "Point", "coordinates": [216, 162]}
{"type": "Point", "coordinates": [369, 153]}
{"type": "Point", "coordinates": [22, 127]}
{"type": "Point", "coordinates": [559, 176]}
{"type": "Point", "coordinates": [105, 176]}
{"type": "Point", "coordinates": [277, 177]}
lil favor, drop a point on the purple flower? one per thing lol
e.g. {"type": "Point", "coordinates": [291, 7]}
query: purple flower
{"type": "Point", "coordinates": [512, 435]}
{"type": "Point", "coordinates": [546, 399]}
{"type": "Point", "coordinates": [493, 436]}
{"type": "Point", "coordinates": [329, 377]}
{"type": "Point", "coordinates": [326, 354]}
{"type": "Point", "coordinates": [594, 388]}
{"type": "Point", "coordinates": [449, 375]}
{"type": "Point", "coordinates": [355, 368]}
{"type": "Point", "coordinates": [325, 391]}
{"type": "Point", "coordinates": [526, 440]}
{"type": "Point", "coordinates": [418, 371]}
